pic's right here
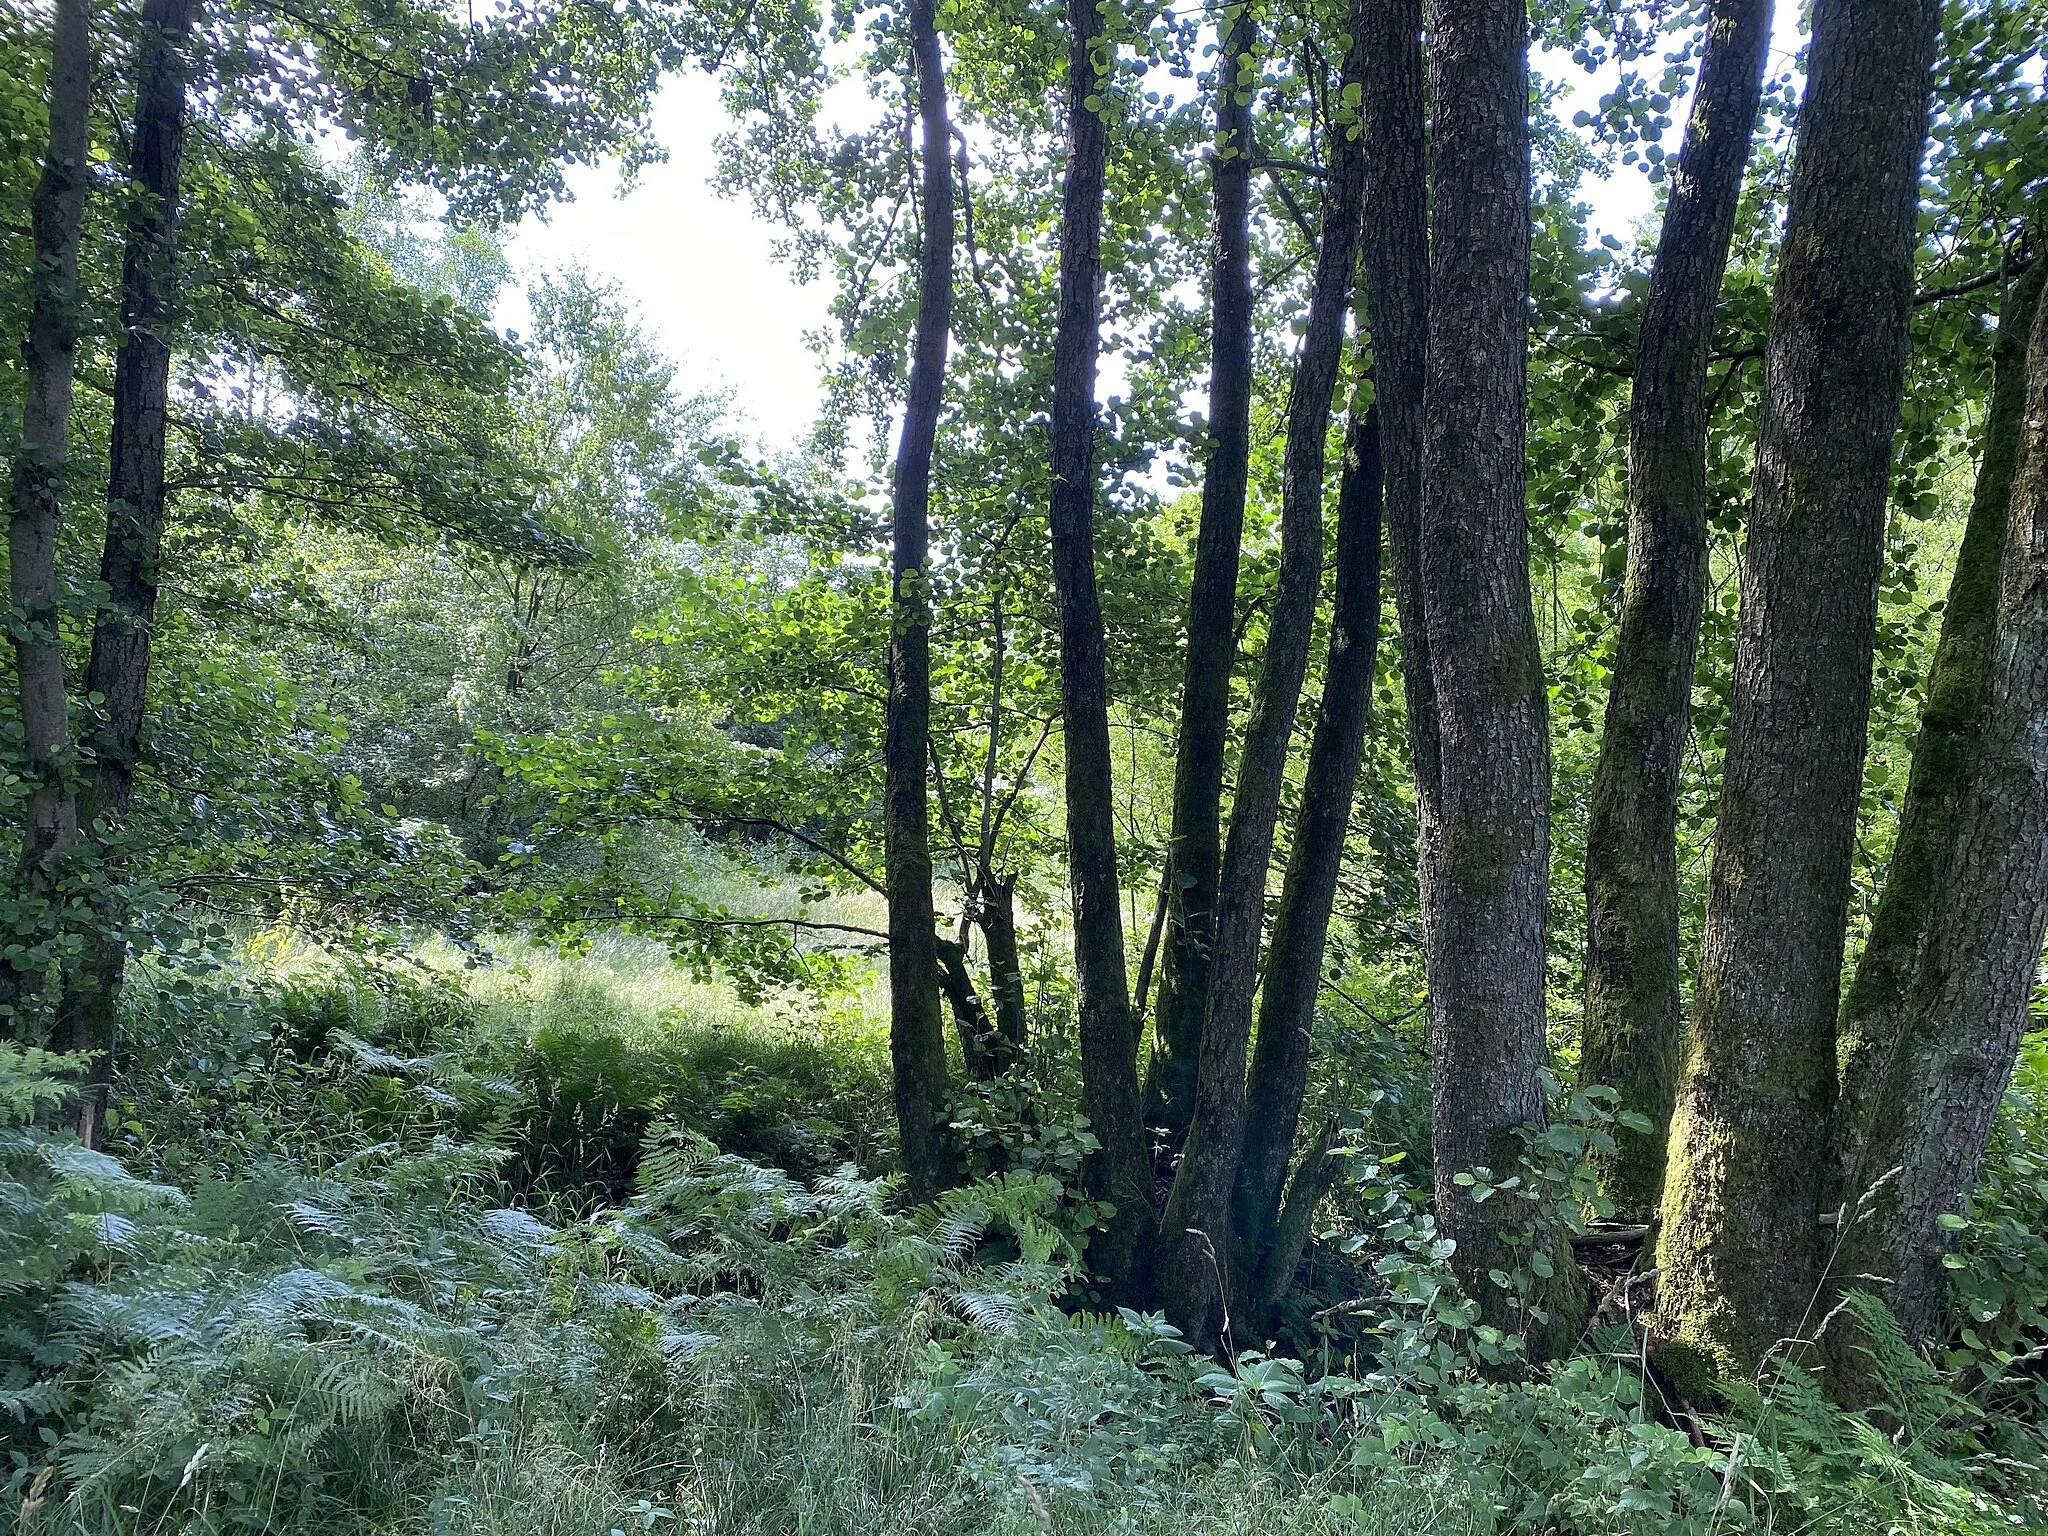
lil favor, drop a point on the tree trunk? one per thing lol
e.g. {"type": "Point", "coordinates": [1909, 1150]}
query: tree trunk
{"type": "Point", "coordinates": [1740, 1244]}
{"type": "Point", "coordinates": [980, 1050]}
{"type": "Point", "coordinates": [119, 667]}
{"type": "Point", "coordinates": [1632, 1027]}
{"type": "Point", "coordinates": [917, 1038]}
{"type": "Point", "coordinates": [1873, 1017]}
{"type": "Point", "coordinates": [1294, 965]}
{"type": "Point", "coordinates": [996, 916]}
{"type": "Point", "coordinates": [1396, 250]}
{"type": "Point", "coordinates": [1202, 1188]}
{"type": "Point", "coordinates": [1273, 1275]}
{"type": "Point", "coordinates": [1984, 925]}
{"type": "Point", "coordinates": [35, 505]}
{"type": "Point", "coordinates": [1196, 843]}
{"type": "Point", "coordinates": [1487, 948]}
{"type": "Point", "coordinates": [1122, 1170]}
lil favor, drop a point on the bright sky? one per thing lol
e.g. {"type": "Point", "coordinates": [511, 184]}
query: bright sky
{"type": "Point", "coordinates": [700, 268]}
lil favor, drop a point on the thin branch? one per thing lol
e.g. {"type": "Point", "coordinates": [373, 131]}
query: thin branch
{"type": "Point", "coordinates": [995, 730]}
{"type": "Point", "coordinates": [1017, 785]}
{"type": "Point", "coordinates": [811, 843]}
{"type": "Point", "coordinates": [808, 925]}
{"type": "Point", "coordinates": [946, 811]}
{"type": "Point", "coordinates": [1294, 212]}
{"type": "Point", "coordinates": [1969, 284]}
{"type": "Point", "coordinates": [1299, 167]}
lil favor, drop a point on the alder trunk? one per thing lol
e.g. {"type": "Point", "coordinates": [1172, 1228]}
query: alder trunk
{"type": "Point", "coordinates": [996, 916]}
{"type": "Point", "coordinates": [1740, 1244]}
{"type": "Point", "coordinates": [1294, 965]}
{"type": "Point", "coordinates": [1195, 849]}
{"type": "Point", "coordinates": [917, 1038]}
{"type": "Point", "coordinates": [1198, 1246]}
{"type": "Point", "coordinates": [981, 1051]}
{"type": "Point", "coordinates": [1122, 1170]}
{"type": "Point", "coordinates": [35, 505]}
{"type": "Point", "coordinates": [1950, 1066]}
{"type": "Point", "coordinates": [118, 671]}
{"type": "Point", "coordinates": [1873, 1015]}
{"type": "Point", "coordinates": [1396, 260]}
{"type": "Point", "coordinates": [1631, 1035]}
{"type": "Point", "coordinates": [1486, 948]}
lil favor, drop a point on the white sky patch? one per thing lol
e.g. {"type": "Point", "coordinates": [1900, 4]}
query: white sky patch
{"type": "Point", "coordinates": [699, 268]}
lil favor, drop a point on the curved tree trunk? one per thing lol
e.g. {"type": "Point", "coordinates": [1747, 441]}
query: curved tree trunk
{"type": "Point", "coordinates": [1487, 947]}
{"type": "Point", "coordinates": [1632, 1026]}
{"type": "Point", "coordinates": [119, 667]}
{"type": "Point", "coordinates": [1984, 925]}
{"type": "Point", "coordinates": [1198, 1210]}
{"type": "Point", "coordinates": [1874, 1014]}
{"type": "Point", "coordinates": [35, 503]}
{"type": "Point", "coordinates": [1740, 1244]}
{"type": "Point", "coordinates": [996, 916]}
{"type": "Point", "coordinates": [1294, 963]}
{"type": "Point", "coordinates": [1196, 841]}
{"type": "Point", "coordinates": [981, 1052]}
{"type": "Point", "coordinates": [917, 1038]}
{"type": "Point", "coordinates": [1122, 1171]}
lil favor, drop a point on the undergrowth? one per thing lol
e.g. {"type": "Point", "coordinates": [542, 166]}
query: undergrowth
{"type": "Point", "coordinates": [349, 1268]}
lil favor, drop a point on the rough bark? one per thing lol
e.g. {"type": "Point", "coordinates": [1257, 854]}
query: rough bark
{"type": "Point", "coordinates": [35, 499]}
{"type": "Point", "coordinates": [917, 1039]}
{"type": "Point", "coordinates": [1396, 258]}
{"type": "Point", "coordinates": [1977, 968]}
{"type": "Point", "coordinates": [980, 1048]}
{"type": "Point", "coordinates": [119, 667]}
{"type": "Point", "coordinates": [1632, 1026]}
{"type": "Point", "coordinates": [1486, 947]}
{"type": "Point", "coordinates": [1273, 1276]}
{"type": "Point", "coordinates": [1122, 1171]}
{"type": "Point", "coordinates": [996, 916]}
{"type": "Point", "coordinates": [1200, 1202]}
{"type": "Point", "coordinates": [1740, 1244]}
{"type": "Point", "coordinates": [1873, 1015]}
{"type": "Point", "coordinates": [1294, 965]}
{"type": "Point", "coordinates": [1196, 838]}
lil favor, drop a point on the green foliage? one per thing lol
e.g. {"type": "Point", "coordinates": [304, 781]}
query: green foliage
{"type": "Point", "coordinates": [1996, 1354]}
{"type": "Point", "coordinates": [465, 630]}
{"type": "Point", "coordinates": [330, 1310]}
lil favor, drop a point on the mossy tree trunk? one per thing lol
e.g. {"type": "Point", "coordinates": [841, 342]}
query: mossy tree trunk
{"type": "Point", "coordinates": [995, 913]}
{"type": "Point", "coordinates": [132, 555]}
{"type": "Point", "coordinates": [1486, 948]}
{"type": "Point", "coordinates": [35, 505]}
{"type": "Point", "coordinates": [1198, 1247]}
{"type": "Point", "coordinates": [917, 1038]}
{"type": "Point", "coordinates": [1947, 1072]}
{"type": "Point", "coordinates": [1874, 1013]}
{"type": "Point", "coordinates": [1631, 1035]}
{"type": "Point", "coordinates": [1740, 1242]}
{"type": "Point", "coordinates": [1122, 1171]}
{"type": "Point", "coordinates": [1195, 846]}
{"type": "Point", "coordinates": [1294, 963]}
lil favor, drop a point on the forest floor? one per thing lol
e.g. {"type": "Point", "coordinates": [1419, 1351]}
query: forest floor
{"type": "Point", "coordinates": [579, 1244]}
